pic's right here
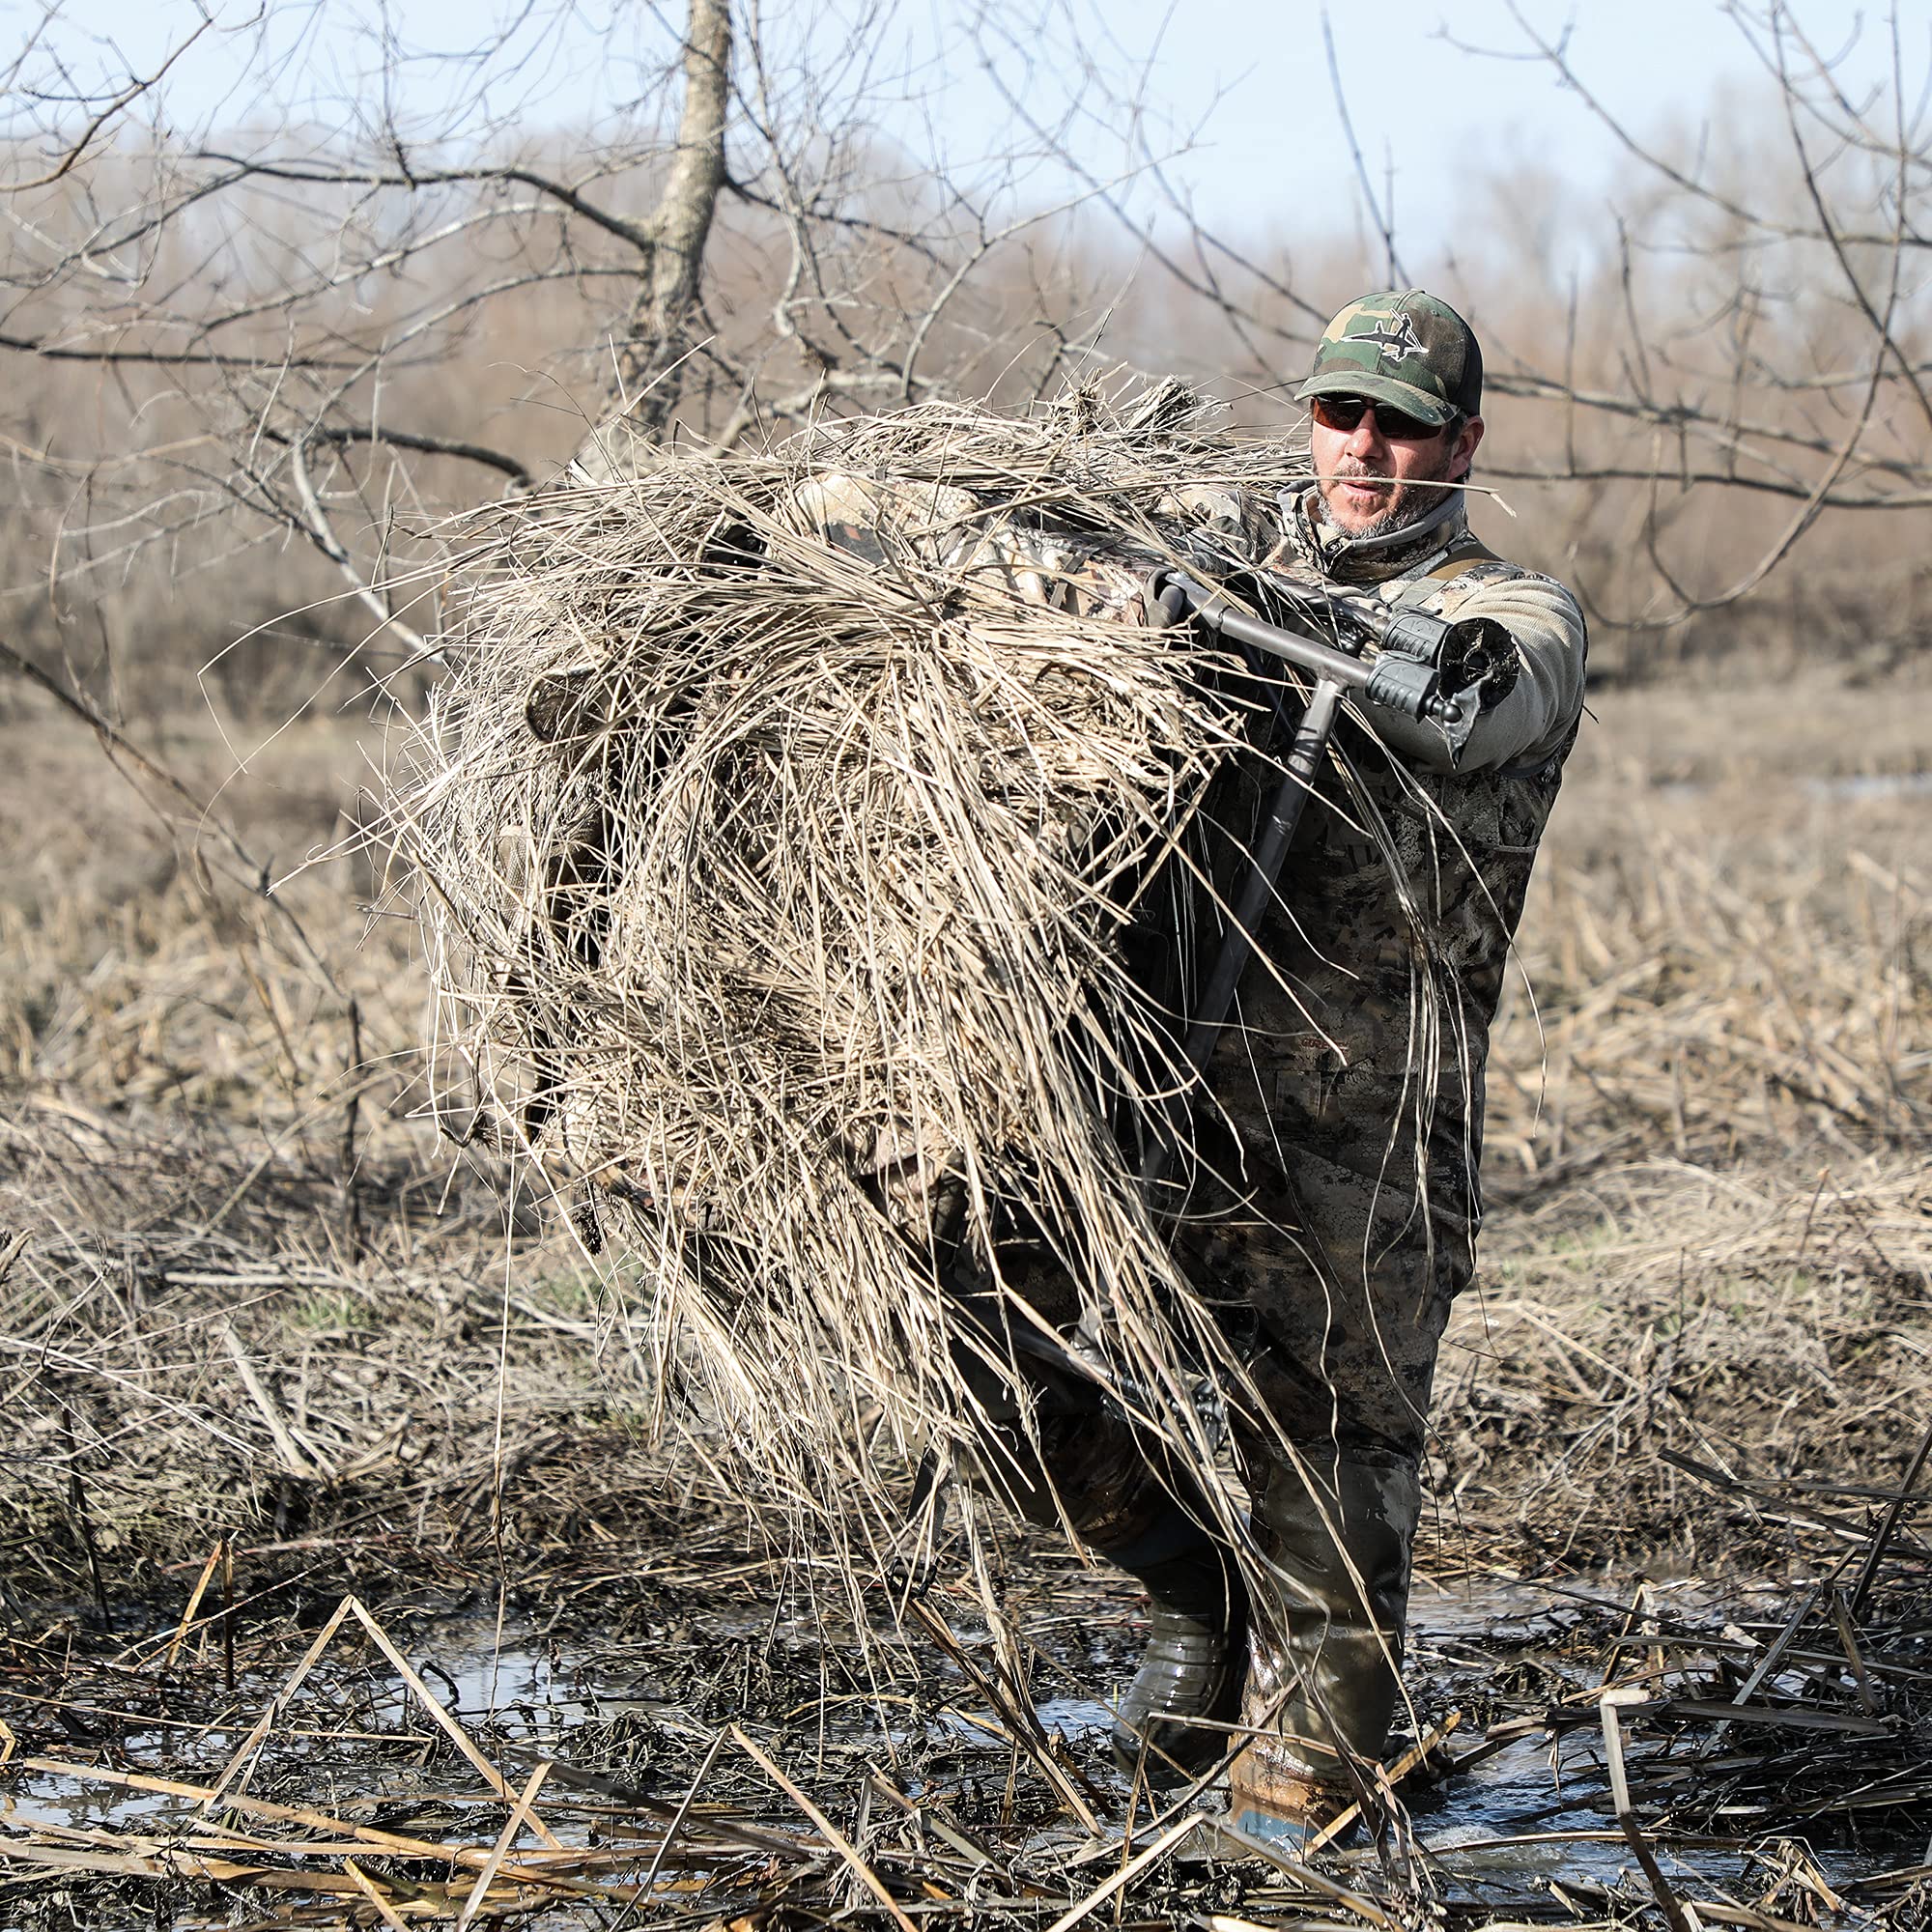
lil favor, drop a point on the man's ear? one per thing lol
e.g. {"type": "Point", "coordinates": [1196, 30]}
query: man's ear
{"type": "Point", "coordinates": [1466, 439]}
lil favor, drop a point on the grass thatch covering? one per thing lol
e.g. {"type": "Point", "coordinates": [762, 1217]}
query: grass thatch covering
{"type": "Point", "coordinates": [775, 888]}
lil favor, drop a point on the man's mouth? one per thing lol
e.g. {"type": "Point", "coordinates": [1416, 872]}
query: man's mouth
{"type": "Point", "coordinates": [1366, 497]}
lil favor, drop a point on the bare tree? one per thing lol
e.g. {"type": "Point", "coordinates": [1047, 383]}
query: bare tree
{"type": "Point", "coordinates": [1806, 257]}
{"type": "Point", "coordinates": [668, 283]}
{"type": "Point", "coordinates": [1748, 354]}
{"type": "Point", "coordinates": [286, 324]}
{"type": "Point", "coordinates": [325, 330]}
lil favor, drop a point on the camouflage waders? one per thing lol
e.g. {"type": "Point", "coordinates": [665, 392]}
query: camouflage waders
{"type": "Point", "coordinates": [1341, 1199]}
{"type": "Point", "coordinates": [1332, 1206]}
{"type": "Point", "coordinates": [1334, 1199]}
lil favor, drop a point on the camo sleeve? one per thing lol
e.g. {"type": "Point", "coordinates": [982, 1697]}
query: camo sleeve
{"type": "Point", "coordinates": [1530, 699]}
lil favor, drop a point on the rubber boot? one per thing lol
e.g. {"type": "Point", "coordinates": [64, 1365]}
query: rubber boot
{"type": "Point", "coordinates": [1188, 1684]}
{"type": "Point", "coordinates": [1124, 1500]}
{"type": "Point", "coordinates": [1326, 1646]}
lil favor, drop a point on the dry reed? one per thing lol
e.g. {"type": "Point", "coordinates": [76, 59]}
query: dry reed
{"type": "Point", "coordinates": [1702, 1341]}
{"type": "Point", "coordinates": [776, 893]}
{"type": "Point", "coordinates": [1701, 1330]}
{"type": "Point", "coordinates": [1762, 1754]}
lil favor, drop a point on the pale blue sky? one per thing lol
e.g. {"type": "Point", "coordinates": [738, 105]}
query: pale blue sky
{"type": "Point", "coordinates": [1268, 155]}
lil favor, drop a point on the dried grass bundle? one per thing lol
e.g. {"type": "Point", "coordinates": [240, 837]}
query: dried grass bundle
{"type": "Point", "coordinates": [775, 890]}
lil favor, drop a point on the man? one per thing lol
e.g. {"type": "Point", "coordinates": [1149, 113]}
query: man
{"type": "Point", "coordinates": [1335, 1201]}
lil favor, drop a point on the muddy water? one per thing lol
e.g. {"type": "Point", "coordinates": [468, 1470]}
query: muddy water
{"type": "Point", "coordinates": [1532, 1815]}
{"type": "Point", "coordinates": [1850, 788]}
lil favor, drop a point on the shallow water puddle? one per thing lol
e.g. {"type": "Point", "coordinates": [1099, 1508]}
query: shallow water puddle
{"type": "Point", "coordinates": [623, 1732]}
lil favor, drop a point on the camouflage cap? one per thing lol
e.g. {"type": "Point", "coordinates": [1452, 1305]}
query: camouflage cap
{"type": "Point", "coordinates": [1404, 348]}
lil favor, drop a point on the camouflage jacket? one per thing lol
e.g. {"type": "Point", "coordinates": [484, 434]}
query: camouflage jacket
{"type": "Point", "coordinates": [1365, 1021]}
{"type": "Point", "coordinates": [1465, 808]}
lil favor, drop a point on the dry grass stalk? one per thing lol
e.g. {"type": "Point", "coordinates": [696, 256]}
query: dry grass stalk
{"type": "Point", "coordinates": [1690, 996]}
{"type": "Point", "coordinates": [776, 892]}
{"type": "Point", "coordinates": [742, 1795]}
{"type": "Point", "coordinates": [1707, 1136]}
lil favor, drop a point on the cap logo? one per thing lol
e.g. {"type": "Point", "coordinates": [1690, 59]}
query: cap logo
{"type": "Point", "coordinates": [1395, 343]}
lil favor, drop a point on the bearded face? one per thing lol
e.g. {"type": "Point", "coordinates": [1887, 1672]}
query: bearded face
{"type": "Point", "coordinates": [1383, 472]}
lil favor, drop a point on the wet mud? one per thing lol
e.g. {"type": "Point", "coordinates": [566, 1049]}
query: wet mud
{"type": "Point", "coordinates": [733, 1757]}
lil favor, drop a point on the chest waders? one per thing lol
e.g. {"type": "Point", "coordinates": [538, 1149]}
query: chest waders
{"type": "Point", "coordinates": [1333, 1522]}
{"type": "Point", "coordinates": [1096, 1468]}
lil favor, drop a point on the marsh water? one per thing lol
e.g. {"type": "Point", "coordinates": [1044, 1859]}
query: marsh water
{"type": "Point", "coordinates": [1521, 1823]}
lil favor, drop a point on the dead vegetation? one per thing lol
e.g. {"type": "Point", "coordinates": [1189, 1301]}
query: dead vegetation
{"type": "Point", "coordinates": [775, 893]}
{"type": "Point", "coordinates": [1708, 1271]}
{"type": "Point", "coordinates": [263, 1342]}
{"type": "Point", "coordinates": [655, 1755]}
{"type": "Point", "coordinates": [1708, 1233]}
{"type": "Point", "coordinates": [252, 1311]}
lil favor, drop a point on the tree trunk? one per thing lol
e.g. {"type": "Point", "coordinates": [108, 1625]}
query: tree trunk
{"type": "Point", "coordinates": [656, 335]}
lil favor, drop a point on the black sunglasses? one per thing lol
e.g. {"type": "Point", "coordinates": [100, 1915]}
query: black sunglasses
{"type": "Point", "coordinates": [1344, 413]}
